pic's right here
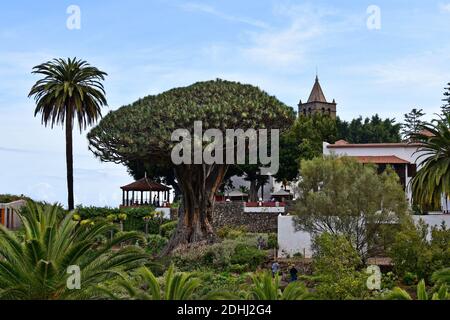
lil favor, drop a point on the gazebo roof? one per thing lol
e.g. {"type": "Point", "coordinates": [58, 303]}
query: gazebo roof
{"type": "Point", "coordinates": [237, 193]}
{"type": "Point", "coordinates": [281, 193]}
{"type": "Point", "coordinates": [145, 184]}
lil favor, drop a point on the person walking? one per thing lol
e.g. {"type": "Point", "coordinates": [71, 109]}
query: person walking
{"type": "Point", "coordinates": [275, 268]}
{"type": "Point", "coordinates": [293, 272]}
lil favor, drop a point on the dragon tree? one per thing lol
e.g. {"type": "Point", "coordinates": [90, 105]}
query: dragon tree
{"type": "Point", "coordinates": [143, 132]}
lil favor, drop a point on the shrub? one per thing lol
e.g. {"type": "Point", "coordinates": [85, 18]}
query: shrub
{"type": "Point", "coordinates": [336, 265]}
{"type": "Point", "coordinates": [272, 243]}
{"type": "Point", "coordinates": [410, 278]}
{"type": "Point", "coordinates": [246, 255]}
{"type": "Point", "coordinates": [166, 230]}
{"type": "Point", "coordinates": [413, 253]}
{"type": "Point", "coordinates": [155, 243]}
{"type": "Point", "coordinates": [231, 233]}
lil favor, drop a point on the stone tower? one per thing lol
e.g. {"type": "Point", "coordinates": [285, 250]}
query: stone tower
{"type": "Point", "coordinates": [317, 103]}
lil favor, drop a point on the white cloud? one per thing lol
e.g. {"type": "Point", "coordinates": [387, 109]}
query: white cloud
{"type": "Point", "coordinates": [197, 7]}
{"type": "Point", "coordinates": [420, 70]}
{"type": "Point", "coordinates": [301, 30]}
{"type": "Point", "coordinates": [445, 7]}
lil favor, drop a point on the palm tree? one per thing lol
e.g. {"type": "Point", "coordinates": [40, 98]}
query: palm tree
{"type": "Point", "coordinates": [400, 294]}
{"type": "Point", "coordinates": [177, 286]}
{"type": "Point", "coordinates": [433, 179]}
{"type": "Point", "coordinates": [441, 277]}
{"type": "Point", "coordinates": [70, 88]}
{"type": "Point", "coordinates": [34, 263]}
{"type": "Point", "coordinates": [267, 288]}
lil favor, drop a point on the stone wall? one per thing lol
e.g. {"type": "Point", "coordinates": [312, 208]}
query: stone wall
{"type": "Point", "coordinates": [232, 214]}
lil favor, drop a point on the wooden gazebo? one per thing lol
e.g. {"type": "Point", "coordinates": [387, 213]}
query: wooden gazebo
{"type": "Point", "coordinates": [145, 192]}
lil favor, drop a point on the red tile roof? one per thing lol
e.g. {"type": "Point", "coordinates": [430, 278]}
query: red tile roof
{"type": "Point", "coordinates": [380, 159]}
{"type": "Point", "coordinates": [343, 144]}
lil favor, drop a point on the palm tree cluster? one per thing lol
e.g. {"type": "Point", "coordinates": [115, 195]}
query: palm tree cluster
{"type": "Point", "coordinates": [34, 262]}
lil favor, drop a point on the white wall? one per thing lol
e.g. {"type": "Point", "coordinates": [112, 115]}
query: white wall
{"type": "Point", "coordinates": [291, 242]}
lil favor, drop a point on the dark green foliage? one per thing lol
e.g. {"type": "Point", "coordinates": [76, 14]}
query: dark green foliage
{"type": "Point", "coordinates": [336, 266]}
{"type": "Point", "coordinates": [34, 265]}
{"type": "Point", "coordinates": [446, 107]}
{"type": "Point", "coordinates": [134, 221]}
{"type": "Point", "coordinates": [412, 123]}
{"type": "Point", "coordinates": [155, 243]}
{"type": "Point", "coordinates": [168, 228]}
{"type": "Point", "coordinates": [272, 242]}
{"type": "Point", "coordinates": [247, 255]}
{"type": "Point", "coordinates": [149, 122]}
{"type": "Point", "coordinates": [413, 254]}
{"type": "Point", "coordinates": [369, 130]}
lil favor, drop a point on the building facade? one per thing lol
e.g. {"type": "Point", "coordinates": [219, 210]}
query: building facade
{"type": "Point", "coordinates": [403, 157]}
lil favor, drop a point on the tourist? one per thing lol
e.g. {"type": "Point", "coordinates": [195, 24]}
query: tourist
{"type": "Point", "coordinates": [261, 243]}
{"type": "Point", "coordinates": [293, 272]}
{"type": "Point", "coordinates": [275, 268]}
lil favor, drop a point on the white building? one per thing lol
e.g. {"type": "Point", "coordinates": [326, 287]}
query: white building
{"type": "Point", "coordinates": [403, 157]}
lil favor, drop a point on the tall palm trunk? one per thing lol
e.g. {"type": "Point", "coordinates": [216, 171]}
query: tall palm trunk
{"type": "Point", "coordinates": [69, 158]}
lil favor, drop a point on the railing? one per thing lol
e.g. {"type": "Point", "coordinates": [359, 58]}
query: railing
{"type": "Point", "coordinates": [264, 204]}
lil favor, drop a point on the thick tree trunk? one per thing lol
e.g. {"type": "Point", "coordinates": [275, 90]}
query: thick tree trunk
{"type": "Point", "coordinates": [69, 159]}
{"type": "Point", "coordinates": [199, 184]}
{"type": "Point", "coordinates": [253, 191]}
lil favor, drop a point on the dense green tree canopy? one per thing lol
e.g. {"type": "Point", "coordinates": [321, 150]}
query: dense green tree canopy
{"type": "Point", "coordinates": [369, 130]}
{"type": "Point", "coordinates": [143, 129]}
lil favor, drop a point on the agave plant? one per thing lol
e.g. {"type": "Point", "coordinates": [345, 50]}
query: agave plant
{"type": "Point", "coordinates": [400, 294]}
{"type": "Point", "coordinates": [35, 264]}
{"type": "Point", "coordinates": [177, 286]}
{"type": "Point", "coordinates": [433, 179]}
{"type": "Point", "coordinates": [265, 287]}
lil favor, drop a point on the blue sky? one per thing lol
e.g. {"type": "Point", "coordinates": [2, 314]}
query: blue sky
{"type": "Point", "coordinates": [151, 46]}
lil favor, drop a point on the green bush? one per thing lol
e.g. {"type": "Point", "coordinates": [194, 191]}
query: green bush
{"type": "Point", "coordinates": [389, 280]}
{"type": "Point", "coordinates": [410, 278]}
{"type": "Point", "coordinates": [155, 243]}
{"type": "Point", "coordinates": [413, 253]}
{"type": "Point", "coordinates": [246, 255]}
{"type": "Point", "coordinates": [166, 230]}
{"type": "Point", "coordinates": [336, 265]}
{"type": "Point", "coordinates": [272, 242]}
{"type": "Point", "coordinates": [231, 233]}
